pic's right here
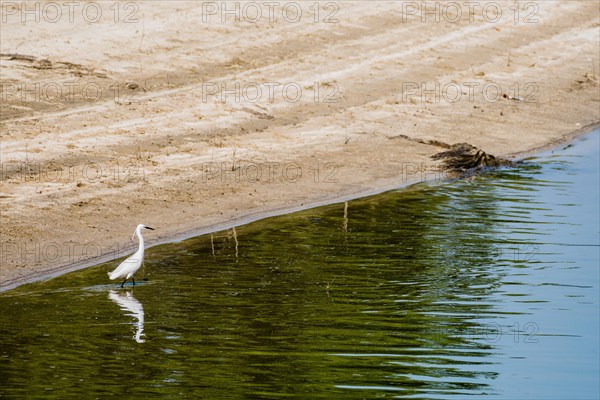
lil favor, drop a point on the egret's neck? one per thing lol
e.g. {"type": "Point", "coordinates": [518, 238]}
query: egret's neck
{"type": "Point", "coordinates": [141, 240]}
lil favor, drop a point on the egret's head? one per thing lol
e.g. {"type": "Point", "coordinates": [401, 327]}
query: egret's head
{"type": "Point", "coordinates": [139, 229]}
{"type": "Point", "coordinates": [142, 226]}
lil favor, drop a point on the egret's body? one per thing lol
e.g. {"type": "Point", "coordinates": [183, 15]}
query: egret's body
{"type": "Point", "coordinates": [129, 267]}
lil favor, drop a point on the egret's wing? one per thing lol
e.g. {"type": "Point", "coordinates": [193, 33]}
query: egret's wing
{"type": "Point", "coordinates": [131, 263]}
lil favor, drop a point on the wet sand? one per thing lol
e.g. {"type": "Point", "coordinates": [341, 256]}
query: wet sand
{"type": "Point", "coordinates": [191, 124]}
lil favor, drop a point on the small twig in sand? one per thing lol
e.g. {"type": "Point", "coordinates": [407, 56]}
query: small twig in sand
{"type": "Point", "coordinates": [233, 168]}
{"type": "Point", "coordinates": [507, 96]}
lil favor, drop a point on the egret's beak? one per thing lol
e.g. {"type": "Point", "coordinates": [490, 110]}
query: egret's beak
{"type": "Point", "coordinates": [147, 227]}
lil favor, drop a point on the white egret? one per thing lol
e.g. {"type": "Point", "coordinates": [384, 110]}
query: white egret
{"type": "Point", "coordinates": [128, 267]}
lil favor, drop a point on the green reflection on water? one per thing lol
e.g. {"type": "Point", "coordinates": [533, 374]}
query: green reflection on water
{"type": "Point", "coordinates": [424, 292]}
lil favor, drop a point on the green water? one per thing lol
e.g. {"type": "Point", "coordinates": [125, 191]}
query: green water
{"type": "Point", "coordinates": [470, 288]}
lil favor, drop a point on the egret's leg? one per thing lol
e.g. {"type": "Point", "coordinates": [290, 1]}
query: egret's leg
{"type": "Point", "coordinates": [123, 282]}
{"type": "Point", "coordinates": [133, 280]}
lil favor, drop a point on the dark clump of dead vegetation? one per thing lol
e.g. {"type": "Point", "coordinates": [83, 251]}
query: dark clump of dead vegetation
{"type": "Point", "coordinates": [463, 158]}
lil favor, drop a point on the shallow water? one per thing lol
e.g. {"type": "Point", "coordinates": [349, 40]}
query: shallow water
{"type": "Point", "coordinates": [476, 287]}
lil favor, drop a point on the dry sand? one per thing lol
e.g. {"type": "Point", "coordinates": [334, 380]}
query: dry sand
{"type": "Point", "coordinates": [165, 115]}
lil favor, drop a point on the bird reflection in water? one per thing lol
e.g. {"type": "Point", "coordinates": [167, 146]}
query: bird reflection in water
{"type": "Point", "coordinates": [129, 303]}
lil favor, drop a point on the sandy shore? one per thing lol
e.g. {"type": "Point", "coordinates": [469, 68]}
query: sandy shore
{"type": "Point", "coordinates": [161, 113]}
